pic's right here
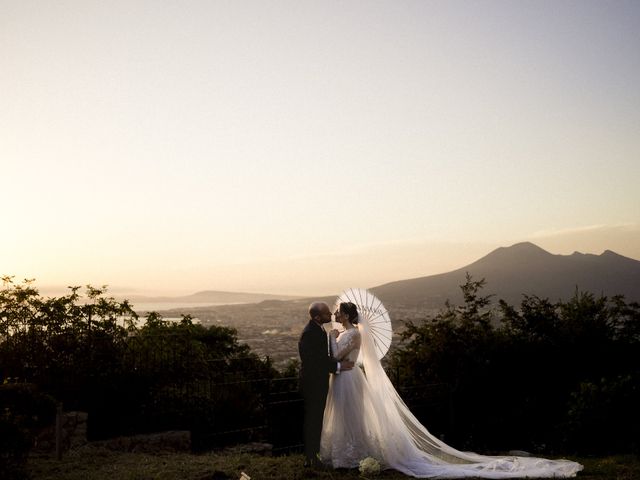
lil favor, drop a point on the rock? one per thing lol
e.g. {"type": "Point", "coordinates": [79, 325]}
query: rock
{"type": "Point", "coordinates": [74, 433]}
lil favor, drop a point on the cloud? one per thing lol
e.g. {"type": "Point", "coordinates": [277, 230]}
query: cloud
{"type": "Point", "coordinates": [600, 228]}
{"type": "Point", "coordinates": [622, 238]}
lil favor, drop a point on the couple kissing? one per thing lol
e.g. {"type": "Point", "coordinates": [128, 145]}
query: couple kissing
{"type": "Point", "coordinates": [352, 411]}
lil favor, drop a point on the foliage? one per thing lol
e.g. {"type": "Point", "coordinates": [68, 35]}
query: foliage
{"type": "Point", "coordinates": [22, 411]}
{"type": "Point", "coordinates": [605, 409]}
{"type": "Point", "coordinates": [90, 354]}
{"type": "Point", "coordinates": [537, 376]}
{"type": "Point", "coordinates": [291, 369]}
{"type": "Point", "coordinates": [449, 347]}
{"type": "Point", "coordinates": [542, 376]}
{"type": "Point", "coordinates": [15, 444]}
{"type": "Point", "coordinates": [189, 376]}
{"type": "Point", "coordinates": [62, 343]}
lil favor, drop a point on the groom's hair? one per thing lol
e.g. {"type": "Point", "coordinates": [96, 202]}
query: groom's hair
{"type": "Point", "coordinates": [315, 308]}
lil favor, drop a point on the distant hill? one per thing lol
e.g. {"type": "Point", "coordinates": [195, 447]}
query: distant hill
{"type": "Point", "coordinates": [214, 297]}
{"type": "Point", "coordinates": [523, 268]}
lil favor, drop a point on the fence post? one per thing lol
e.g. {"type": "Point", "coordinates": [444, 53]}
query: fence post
{"type": "Point", "coordinates": [268, 424]}
{"type": "Point", "coordinates": [451, 408]}
{"type": "Point", "coordinates": [59, 432]}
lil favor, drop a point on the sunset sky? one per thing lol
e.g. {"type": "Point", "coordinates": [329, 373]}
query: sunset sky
{"type": "Point", "coordinates": [302, 147]}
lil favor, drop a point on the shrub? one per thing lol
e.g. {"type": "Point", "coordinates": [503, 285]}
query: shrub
{"type": "Point", "coordinates": [603, 415]}
{"type": "Point", "coordinates": [542, 376]}
{"type": "Point", "coordinates": [23, 410]}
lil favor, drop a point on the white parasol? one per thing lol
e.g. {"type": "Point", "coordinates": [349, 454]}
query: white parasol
{"type": "Point", "coordinates": [377, 316]}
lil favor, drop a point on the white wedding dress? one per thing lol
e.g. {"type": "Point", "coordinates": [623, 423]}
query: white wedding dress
{"type": "Point", "coordinates": [365, 417]}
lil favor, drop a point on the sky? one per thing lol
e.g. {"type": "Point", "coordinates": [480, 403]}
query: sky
{"type": "Point", "coordinates": [304, 147]}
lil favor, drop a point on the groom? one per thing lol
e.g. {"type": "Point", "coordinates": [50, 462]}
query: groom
{"type": "Point", "coordinates": [316, 365]}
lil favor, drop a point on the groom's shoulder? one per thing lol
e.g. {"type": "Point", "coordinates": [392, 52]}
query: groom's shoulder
{"type": "Point", "coordinates": [309, 328]}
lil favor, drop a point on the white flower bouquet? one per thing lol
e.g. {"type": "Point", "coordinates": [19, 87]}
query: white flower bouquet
{"type": "Point", "coordinates": [369, 466]}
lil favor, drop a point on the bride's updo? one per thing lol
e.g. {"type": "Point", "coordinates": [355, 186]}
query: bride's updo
{"type": "Point", "coordinates": [351, 311]}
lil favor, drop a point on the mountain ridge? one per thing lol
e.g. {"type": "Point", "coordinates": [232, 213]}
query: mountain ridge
{"type": "Point", "coordinates": [212, 296]}
{"type": "Point", "coordinates": [523, 268]}
{"type": "Point", "coordinates": [510, 272]}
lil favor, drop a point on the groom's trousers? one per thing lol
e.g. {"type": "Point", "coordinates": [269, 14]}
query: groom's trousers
{"type": "Point", "coordinates": [314, 402]}
{"type": "Point", "coordinates": [316, 365]}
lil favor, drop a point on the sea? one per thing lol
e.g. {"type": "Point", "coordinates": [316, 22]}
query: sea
{"type": "Point", "coordinates": [161, 306]}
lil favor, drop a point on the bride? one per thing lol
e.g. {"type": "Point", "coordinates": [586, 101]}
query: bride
{"type": "Point", "coordinates": [365, 417]}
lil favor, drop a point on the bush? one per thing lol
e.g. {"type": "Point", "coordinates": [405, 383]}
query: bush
{"type": "Point", "coordinates": [89, 354]}
{"type": "Point", "coordinates": [23, 410]}
{"type": "Point", "coordinates": [603, 415]}
{"type": "Point", "coordinates": [543, 376]}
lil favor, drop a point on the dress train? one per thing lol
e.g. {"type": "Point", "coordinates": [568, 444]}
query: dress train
{"type": "Point", "coordinates": [365, 417]}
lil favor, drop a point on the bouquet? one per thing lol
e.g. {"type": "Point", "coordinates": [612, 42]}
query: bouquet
{"type": "Point", "coordinates": [369, 466]}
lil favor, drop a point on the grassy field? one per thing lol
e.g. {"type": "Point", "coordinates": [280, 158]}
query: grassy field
{"type": "Point", "coordinates": [92, 463]}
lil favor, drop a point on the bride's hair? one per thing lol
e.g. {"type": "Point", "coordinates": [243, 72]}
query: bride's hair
{"type": "Point", "coordinates": [351, 311]}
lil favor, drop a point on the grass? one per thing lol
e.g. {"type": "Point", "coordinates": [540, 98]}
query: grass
{"type": "Point", "coordinates": [94, 463]}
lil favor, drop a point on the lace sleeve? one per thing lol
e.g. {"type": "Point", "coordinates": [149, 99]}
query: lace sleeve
{"type": "Point", "coordinates": [333, 346]}
{"type": "Point", "coordinates": [341, 350]}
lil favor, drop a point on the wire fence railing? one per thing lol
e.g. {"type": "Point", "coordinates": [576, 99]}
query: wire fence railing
{"type": "Point", "coordinates": [168, 383]}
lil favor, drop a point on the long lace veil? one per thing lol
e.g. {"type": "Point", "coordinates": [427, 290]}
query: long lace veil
{"type": "Point", "coordinates": [410, 448]}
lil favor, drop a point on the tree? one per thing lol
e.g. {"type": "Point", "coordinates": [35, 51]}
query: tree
{"type": "Point", "coordinates": [543, 375]}
{"type": "Point", "coordinates": [88, 352]}
{"type": "Point", "coordinates": [60, 343]}
{"type": "Point", "coordinates": [457, 347]}
{"type": "Point", "coordinates": [184, 375]}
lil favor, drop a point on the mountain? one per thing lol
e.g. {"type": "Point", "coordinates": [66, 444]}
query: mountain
{"type": "Point", "coordinates": [213, 297]}
{"type": "Point", "coordinates": [523, 268]}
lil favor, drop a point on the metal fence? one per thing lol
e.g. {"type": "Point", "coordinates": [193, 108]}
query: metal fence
{"type": "Point", "coordinates": [228, 403]}
{"type": "Point", "coordinates": [161, 383]}
{"type": "Point", "coordinates": [281, 419]}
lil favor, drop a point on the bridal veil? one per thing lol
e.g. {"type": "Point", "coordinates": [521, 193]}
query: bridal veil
{"type": "Point", "coordinates": [404, 444]}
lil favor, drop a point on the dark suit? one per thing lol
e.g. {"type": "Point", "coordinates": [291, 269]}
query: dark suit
{"type": "Point", "coordinates": [314, 383]}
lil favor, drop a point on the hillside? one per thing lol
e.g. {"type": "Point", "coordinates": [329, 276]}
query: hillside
{"type": "Point", "coordinates": [273, 327]}
{"type": "Point", "coordinates": [523, 268]}
{"type": "Point", "coordinates": [214, 297]}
